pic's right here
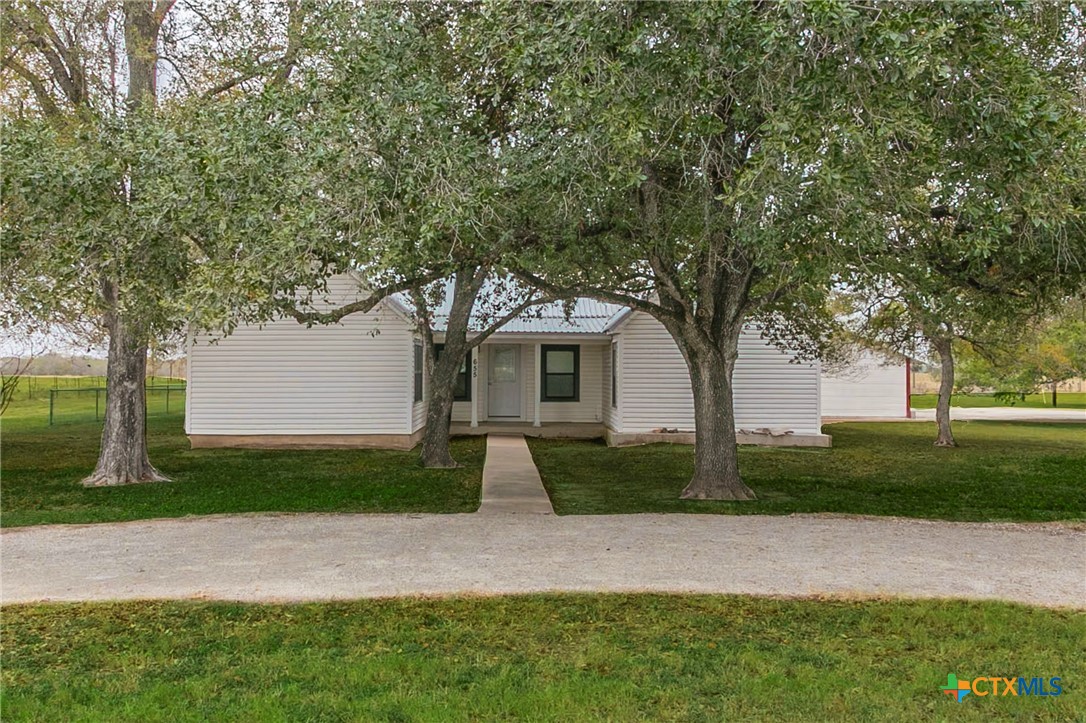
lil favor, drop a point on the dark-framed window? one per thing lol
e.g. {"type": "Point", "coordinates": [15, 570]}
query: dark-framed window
{"type": "Point", "coordinates": [462, 388]}
{"type": "Point", "coordinates": [418, 372]}
{"type": "Point", "coordinates": [614, 375]}
{"type": "Point", "coordinates": [561, 373]}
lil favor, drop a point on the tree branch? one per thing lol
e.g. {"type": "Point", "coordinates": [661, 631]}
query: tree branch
{"type": "Point", "coordinates": [574, 290]}
{"type": "Point", "coordinates": [162, 9]}
{"type": "Point", "coordinates": [61, 59]}
{"type": "Point", "coordinates": [295, 22]}
{"type": "Point", "coordinates": [48, 105]}
{"type": "Point", "coordinates": [770, 297]}
{"type": "Point", "coordinates": [309, 318]}
{"type": "Point", "coordinates": [283, 65]}
{"type": "Point", "coordinates": [497, 324]}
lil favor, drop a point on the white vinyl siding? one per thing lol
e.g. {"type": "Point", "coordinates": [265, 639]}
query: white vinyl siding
{"type": "Point", "coordinates": [770, 390]}
{"type": "Point", "coordinates": [354, 377]}
{"type": "Point", "coordinates": [418, 409]}
{"type": "Point", "coordinates": [611, 411]}
{"type": "Point", "coordinates": [869, 387]}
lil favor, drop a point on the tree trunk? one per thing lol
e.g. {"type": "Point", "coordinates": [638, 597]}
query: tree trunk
{"type": "Point", "coordinates": [716, 452]}
{"type": "Point", "coordinates": [467, 282]}
{"type": "Point", "coordinates": [435, 439]}
{"type": "Point", "coordinates": [123, 456]}
{"type": "Point", "coordinates": [1054, 386]}
{"type": "Point", "coordinates": [141, 29]}
{"type": "Point", "coordinates": [946, 387]}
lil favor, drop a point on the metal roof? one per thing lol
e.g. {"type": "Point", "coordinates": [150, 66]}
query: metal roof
{"type": "Point", "coordinates": [588, 316]}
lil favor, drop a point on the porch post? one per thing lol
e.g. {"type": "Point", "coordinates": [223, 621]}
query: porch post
{"type": "Point", "coordinates": [473, 372]}
{"type": "Point", "coordinates": [538, 393]}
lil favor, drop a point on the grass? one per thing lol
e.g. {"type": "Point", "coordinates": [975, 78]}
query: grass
{"type": "Point", "coordinates": [1002, 471]}
{"type": "Point", "coordinates": [82, 399]}
{"type": "Point", "coordinates": [569, 657]}
{"type": "Point", "coordinates": [42, 466]}
{"type": "Point", "coordinates": [1066, 400]}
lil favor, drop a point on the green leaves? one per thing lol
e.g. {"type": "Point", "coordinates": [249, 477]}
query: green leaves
{"type": "Point", "coordinates": [811, 141]}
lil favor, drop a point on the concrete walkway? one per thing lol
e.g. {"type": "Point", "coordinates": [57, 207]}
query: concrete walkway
{"type": "Point", "coordinates": [1008, 414]}
{"type": "Point", "coordinates": [511, 482]}
{"type": "Point", "coordinates": [271, 558]}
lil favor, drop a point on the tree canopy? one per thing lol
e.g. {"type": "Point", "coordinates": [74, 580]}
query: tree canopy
{"type": "Point", "coordinates": [715, 165]}
{"type": "Point", "coordinates": [730, 163]}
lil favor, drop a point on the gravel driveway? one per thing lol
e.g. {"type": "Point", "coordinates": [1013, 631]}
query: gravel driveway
{"type": "Point", "coordinates": [322, 557]}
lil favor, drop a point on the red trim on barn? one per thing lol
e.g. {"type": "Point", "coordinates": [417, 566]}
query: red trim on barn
{"type": "Point", "coordinates": [908, 387]}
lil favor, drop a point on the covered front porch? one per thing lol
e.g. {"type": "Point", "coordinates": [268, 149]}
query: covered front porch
{"type": "Point", "coordinates": [553, 385]}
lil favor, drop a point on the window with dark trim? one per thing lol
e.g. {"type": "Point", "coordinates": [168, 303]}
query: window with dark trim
{"type": "Point", "coordinates": [614, 375]}
{"type": "Point", "coordinates": [418, 372]}
{"type": "Point", "coordinates": [560, 373]}
{"type": "Point", "coordinates": [462, 388]}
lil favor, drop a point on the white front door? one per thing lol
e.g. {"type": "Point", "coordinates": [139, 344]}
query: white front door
{"type": "Point", "coordinates": [503, 381]}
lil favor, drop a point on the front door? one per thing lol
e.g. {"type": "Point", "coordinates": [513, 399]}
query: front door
{"type": "Point", "coordinates": [503, 388]}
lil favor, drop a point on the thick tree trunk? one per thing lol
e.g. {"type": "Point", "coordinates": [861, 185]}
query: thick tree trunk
{"type": "Point", "coordinates": [141, 28]}
{"type": "Point", "coordinates": [435, 439]}
{"type": "Point", "coordinates": [123, 456]}
{"type": "Point", "coordinates": [467, 283]}
{"type": "Point", "coordinates": [946, 387]}
{"type": "Point", "coordinates": [716, 453]}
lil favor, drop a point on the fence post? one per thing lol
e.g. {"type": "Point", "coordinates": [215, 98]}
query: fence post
{"type": "Point", "coordinates": [52, 394]}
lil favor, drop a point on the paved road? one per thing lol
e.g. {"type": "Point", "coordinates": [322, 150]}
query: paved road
{"type": "Point", "coordinates": [319, 557]}
{"type": "Point", "coordinates": [1019, 414]}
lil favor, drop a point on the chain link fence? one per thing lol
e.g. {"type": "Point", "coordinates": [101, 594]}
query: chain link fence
{"type": "Point", "coordinates": [85, 403]}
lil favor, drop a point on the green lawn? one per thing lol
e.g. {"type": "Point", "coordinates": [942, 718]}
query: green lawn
{"type": "Point", "coordinates": [576, 657]}
{"type": "Point", "coordinates": [42, 465]}
{"type": "Point", "coordinates": [1065, 400]}
{"type": "Point", "coordinates": [1002, 471]}
{"type": "Point", "coordinates": [82, 399]}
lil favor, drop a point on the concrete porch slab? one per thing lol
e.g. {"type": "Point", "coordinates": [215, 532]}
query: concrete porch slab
{"type": "Point", "coordinates": [553, 430]}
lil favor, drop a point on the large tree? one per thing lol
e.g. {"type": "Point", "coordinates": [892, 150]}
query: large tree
{"type": "Point", "coordinates": [727, 161]}
{"type": "Point", "coordinates": [993, 235]}
{"type": "Point", "coordinates": [433, 96]}
{"type": "Point", "coordinates": [95, 223]}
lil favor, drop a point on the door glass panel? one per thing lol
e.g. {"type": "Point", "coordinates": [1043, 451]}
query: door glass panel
{"type": "Point", "coordinates": [503, 364]}
{"type": "Point", "coordinates": [559, 362]}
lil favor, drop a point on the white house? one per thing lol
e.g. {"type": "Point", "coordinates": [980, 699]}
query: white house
{"type": "Point", "coordinates": [874, 386]}
{"type": "Point", "coordinates": [606, 371]}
